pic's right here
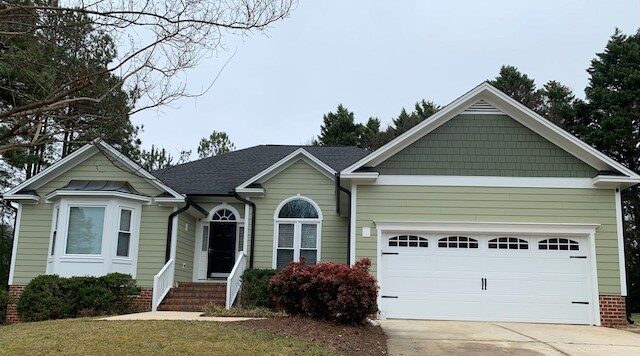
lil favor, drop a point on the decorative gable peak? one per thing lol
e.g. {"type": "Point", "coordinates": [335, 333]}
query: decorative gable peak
{"type": "Point", "coordinates": [482, 107]}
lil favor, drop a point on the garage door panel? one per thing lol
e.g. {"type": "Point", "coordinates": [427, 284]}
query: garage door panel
{"type": "Point", "coordinates": [521, 285]}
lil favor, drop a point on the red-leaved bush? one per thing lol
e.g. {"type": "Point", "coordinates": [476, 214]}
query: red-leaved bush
{"type": "Point", "coordinates": [326, 291]}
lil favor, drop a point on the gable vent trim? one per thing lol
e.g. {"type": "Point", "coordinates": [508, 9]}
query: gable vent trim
{"type": "Point", "coordinates": [482, 107]}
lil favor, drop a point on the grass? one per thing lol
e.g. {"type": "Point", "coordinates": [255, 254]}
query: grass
{"type": "Point", "coordinates": [86, 337]}
{"type": "Point", "coordinates": [214, 310]}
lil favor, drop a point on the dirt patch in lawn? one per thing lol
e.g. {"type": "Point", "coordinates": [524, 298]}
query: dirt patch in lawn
{"type": "Point", "coordinates": [335, 338]}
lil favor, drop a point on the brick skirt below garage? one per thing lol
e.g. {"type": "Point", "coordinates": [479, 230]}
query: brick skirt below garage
{"type": "Point", "coordinates": [613, 311]}
{"type": "Point", "coordinates": [142, 300]}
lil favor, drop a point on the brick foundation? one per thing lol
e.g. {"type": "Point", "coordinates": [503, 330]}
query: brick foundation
{"type": "Point", "coordinates": [143, 301]}
{"type": "Point", "coordinates": [12, 305]}
{"type": "Point", "coordinates": [613, 311]}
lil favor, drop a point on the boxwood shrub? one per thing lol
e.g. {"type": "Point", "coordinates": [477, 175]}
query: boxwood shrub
{"type": "Point", "coordinates": [326, 291]}
{"type": "Point", "coordinates": [254, 292]}
{"type": "Point", "coordinates": [53, 297]}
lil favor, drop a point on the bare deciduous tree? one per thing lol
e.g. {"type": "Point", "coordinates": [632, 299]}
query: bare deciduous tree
{"type": "Point", "coordinates": [155, 43]}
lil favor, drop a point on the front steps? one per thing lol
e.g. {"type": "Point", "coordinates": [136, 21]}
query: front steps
{"type": "Point", "coordinates": [194, 297]}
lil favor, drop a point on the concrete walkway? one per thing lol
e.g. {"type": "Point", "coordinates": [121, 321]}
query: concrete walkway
{"type": "Point", "coordinates": [408, 337]}
{"type": "Point", "coordinates": [172, 315]}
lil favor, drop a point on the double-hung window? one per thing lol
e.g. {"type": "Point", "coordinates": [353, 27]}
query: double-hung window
{"type": "Point", "coordinates": [124, 233]}
{"type": "Point", "coordinates": [298, 224]}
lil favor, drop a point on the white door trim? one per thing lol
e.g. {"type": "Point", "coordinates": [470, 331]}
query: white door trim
{"type": "Point", "coordinates": [541, 229]}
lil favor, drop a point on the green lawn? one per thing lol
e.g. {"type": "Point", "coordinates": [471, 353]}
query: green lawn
{"type": "Point", "coordinates": [86, 336]}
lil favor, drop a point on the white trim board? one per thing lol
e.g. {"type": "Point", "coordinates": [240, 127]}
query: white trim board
{"type": "Point", "coordinates": [620, 235]}
{"type": "Point", "coordinates": [565, 229]}
{"type": "Point", "coordinates": [509, 106]}
{"type": "Point", "coordinates": [484, 181]}
{"type": "Point", "coordinates": [14, 250]}
{"type": "Point", "coordinates": [299, 154]}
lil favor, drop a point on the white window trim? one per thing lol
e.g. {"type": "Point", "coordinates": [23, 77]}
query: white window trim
{"type": "Point", "coordinates": [108, 255]}
{"type": "Point", "coordinates": [297, 234]}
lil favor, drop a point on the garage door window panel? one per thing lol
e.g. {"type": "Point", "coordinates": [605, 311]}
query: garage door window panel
{"type": "Point", "coordinates": [457, 242]}
{"type": "Point", "coordinates": [559, 244]}
{"type": "Point", "coordinates": [408, 241]}
{"type": "Point", "coordinates": [508, 243]}
{"type": "Point", "coordinates": [298, 223]}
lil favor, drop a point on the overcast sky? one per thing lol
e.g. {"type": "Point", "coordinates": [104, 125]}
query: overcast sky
{"type": "Point", "coordinates": [377, 57]}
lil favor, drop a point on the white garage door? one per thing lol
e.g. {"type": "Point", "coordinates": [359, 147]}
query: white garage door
{"type": "Point", "coordinates": [493, 278]}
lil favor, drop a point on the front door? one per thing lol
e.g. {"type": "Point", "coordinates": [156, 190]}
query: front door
{"type": "Point", "coordinates": [222, 242]}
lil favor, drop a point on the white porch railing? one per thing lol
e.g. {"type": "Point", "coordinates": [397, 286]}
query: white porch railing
{"type": "Point", "coordinates": [234, 281]}
{"type": "Point", "coordinates": [162, 283]}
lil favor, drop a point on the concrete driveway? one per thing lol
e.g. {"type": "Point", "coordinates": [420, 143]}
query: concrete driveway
{"type": "Point", "coordinates": [412, 337]}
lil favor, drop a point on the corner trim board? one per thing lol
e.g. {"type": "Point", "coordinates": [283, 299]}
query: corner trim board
{"type": "Point", "coordinates": [14, 249]}
{"type": "Point", "coordinates": [620, 233]}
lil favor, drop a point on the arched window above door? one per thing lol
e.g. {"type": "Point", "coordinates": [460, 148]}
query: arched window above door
{"type": "Point", "coordinates": [223, 215]}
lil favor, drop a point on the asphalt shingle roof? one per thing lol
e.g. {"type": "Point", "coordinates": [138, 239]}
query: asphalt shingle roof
{"type": "Point", "coordinates": [221, 174]}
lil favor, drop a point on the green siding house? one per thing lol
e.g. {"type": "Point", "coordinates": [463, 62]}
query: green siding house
{"type": "Point", "coordinates": [484, 211]}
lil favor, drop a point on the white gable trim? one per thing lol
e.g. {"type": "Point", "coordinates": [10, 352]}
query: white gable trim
{"type": "Point", "coordinates": [486, 92]}
{"type": "Point", "coordinates": [81, 155]}
{"type": "Point", "coordinates": [299, 154]}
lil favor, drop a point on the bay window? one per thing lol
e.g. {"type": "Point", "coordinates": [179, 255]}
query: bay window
{"type": "Point", "coordinates": [94, 236]}
{"type": "Point", "coordinates": [298, 222]}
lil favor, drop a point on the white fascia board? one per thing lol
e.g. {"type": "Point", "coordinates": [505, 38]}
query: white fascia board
{"type": "Point", "coordinates": [59, 167]}
{"type": "Point", "coordinates": [166, 200]}
{"type": "Point", "coordinates": [286, 162]}
{"type": "Point", "coordinates": [565, 229]}
{"type": "Point", "coordinates": [25, 198]}
{"type": "Point", "coordinates": [136, 168]}
{"type": "Point", "coordinates": [509, 106]}
{"type": "Point", "coordinates": [486, 181]}
{"type": "Point", "coordinates": [360, 176]}
{"type": "Point", "coordinates": [615, 181]}
{"type": "Point", "coordinates": [83, 193]}
{"type": "Point", "coordinates": [251, 192]}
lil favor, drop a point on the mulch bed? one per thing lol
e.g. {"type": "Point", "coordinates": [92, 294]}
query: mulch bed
{"type": "Point", "coordinates": [336, 338]}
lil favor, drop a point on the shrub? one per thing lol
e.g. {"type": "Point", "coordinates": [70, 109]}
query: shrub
{"type": "Point", "coordinates": [255, 288]}
{"type": "Point", "coordinates": [4, 298]}
{"type": "Point", "coordinates": [326, 291]}
{"type": "Point", "coordinates": [52, 297]}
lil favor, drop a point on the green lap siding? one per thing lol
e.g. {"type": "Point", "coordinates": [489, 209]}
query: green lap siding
{"type": "Point", "coordinates": [483, 204]}
{"type": "Point", "coordinates": [33, 242]}
{"type": "Point", "coordinates": [185, 248]}
{"type": "Point", "coordinates": [300, 178]}
{"type": "Point", "coordinates": [153, 242]}
{"type": "Point", "coordinates": [484, 145]}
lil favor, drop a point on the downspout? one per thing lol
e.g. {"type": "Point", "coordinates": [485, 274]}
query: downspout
{"type": "Point", "coordinates": [340, 188]}
{"type": "Point", "coordinates": [167, 255]}
{"type": "Point", "coordinates": [253, 225]}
